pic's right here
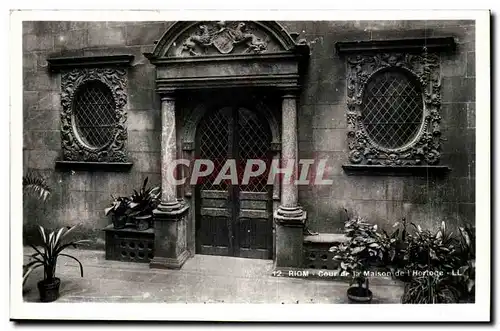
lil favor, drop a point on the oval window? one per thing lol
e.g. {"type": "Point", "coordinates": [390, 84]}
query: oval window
{"type": "Point", "coordinates": [94, 114]}
{"type": "Point", "coordinates": [392, 111]}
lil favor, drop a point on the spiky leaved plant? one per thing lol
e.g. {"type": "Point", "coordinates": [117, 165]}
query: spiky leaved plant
{"type": "Point", "coordinates": [145, 201]}
{"type": "Point", "coordinates": [431, 259]}
{"type": "Point", "coordinates": [36, 186]}
{"type": "Point", "coordinates": [53, 244]}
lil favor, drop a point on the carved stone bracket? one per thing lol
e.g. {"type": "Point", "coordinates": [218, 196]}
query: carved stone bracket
{"type": "Point", "coordinates": [74, 149]}
{"type": "Point", "coordinates": [425, 148]}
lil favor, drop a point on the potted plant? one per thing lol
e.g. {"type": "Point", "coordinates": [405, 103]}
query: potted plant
{"type": "Point", "coordinates": [137, 208]}
{"type": "Point", "coordinates": [52, 247]}
{"type": "Point", "coordinates": [142, 203]}
{"type": "Point", "coordinates": [358, 256]}
{"type": "Point", "coordinates": [119, 211]}
{"type": "Point", "coordinates": [431, 260]}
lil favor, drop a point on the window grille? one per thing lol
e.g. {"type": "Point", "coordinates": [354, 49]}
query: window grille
{"type": "Point", "coordinates": [217, 143]}
{"type": "Point", "coordinates": [214, 144]}
{"type": "Point", "coordinates": [254, 141]}
{"type": "Point", "coordinates": [94, 114]}
{"type": "Point", "coordinates": [392, 112]}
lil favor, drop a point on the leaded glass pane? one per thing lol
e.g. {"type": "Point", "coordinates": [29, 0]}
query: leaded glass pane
{"type": "Point", "coordinates": [392, 109]}
{"type": "Point", "coordinates": [94, 111]}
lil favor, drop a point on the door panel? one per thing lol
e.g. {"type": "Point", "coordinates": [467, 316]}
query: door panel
{"type": "Point", "coordinates": [214, 212]}
{"type": "Point", "coordinates": [255, 227]}
{"type": "Point", "coordinates": [215, 237]}
{"type": "Point", "coordinates": [232, 219]}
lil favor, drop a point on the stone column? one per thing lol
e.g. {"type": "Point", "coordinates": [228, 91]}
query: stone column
{"type": "Point", "coordinates": [170, 218]}
{"type": "Point", "coordinates": [290, 217]}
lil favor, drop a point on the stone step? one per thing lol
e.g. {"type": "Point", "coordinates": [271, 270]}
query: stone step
{"type": "Point", "coordinates": [326, 238]}
{"type": "Point", "coordinates": [318, 261]}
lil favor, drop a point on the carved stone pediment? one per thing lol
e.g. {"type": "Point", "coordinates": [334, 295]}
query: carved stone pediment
{"type": "Point", "coordinates": [223, 37]}
{"type": "Point", "coordinates": [207, 55]}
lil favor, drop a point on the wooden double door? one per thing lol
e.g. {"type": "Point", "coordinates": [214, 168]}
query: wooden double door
{"type": "Point", "coordinates": [234, 218]}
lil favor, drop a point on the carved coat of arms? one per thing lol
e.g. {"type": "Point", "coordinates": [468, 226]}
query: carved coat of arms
{"type": "Point", "coordinates": [224, 38]}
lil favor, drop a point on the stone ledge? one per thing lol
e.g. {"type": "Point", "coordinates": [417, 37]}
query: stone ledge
{"type": "Point", "coordinates": [129, 229]}
{"type": "Point", "coordinates": [397, 45]}
{"type": "Point", "coordinates": [94, 166]}
{"type": "Point", "coordinates": [326, 238]}
{"type": "Point", "coordinates": [71, 62]}
{"type": "Point", "coordinates": [384, 170]}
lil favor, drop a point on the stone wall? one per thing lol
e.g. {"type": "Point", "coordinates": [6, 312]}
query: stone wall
{"type": "Point", "coordinates": [81, 196]}
{"type": "Point", "coordinates": [322, 131]}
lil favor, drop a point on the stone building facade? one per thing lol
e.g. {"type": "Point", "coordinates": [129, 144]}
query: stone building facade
{"type": "Point", "coordinates": [298, 90]}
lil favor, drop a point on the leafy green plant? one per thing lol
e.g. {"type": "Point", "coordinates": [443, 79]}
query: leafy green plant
{"type": "Point", "coordinates": [53, 245]}
{"type": "Point", "coordinates": [431, 251]}
{"type": "Point", "coordinates": [144, 201]}
{"type": "Point", "coordinates": [430, 288]}
{"type": "Point", "coordinates": [36, 185]}
{"type": "Point", "coordinates": [431, 260]}
{"type": "Point", "coordinates": [466, 281]}
{"type": "Point", "coordinates": [361, 252]}
{"type": "Point", "coordinates": [119, 209]}
{"type": "Point", "coordinates": [395, 244]}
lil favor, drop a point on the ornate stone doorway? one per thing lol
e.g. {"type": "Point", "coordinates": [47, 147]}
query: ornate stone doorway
{"type": "Point", "coordinates": [196, 57]}
{"type": "Point", "coordinates": [234, 218]}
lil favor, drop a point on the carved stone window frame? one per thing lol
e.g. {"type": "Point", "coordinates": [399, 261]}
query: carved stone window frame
{"type": "Point", "coordinates": [418, 58]}
{"type": "Point", "coordinates": [75, 72]}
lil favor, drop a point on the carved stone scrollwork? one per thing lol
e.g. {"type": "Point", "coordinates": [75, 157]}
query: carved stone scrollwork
{"type": "Point", "coordinates": [223, 37]}
{"type": "Point", "coordinates": [425, 148]}
{"type": "Point", "coordinates": [74, 149]}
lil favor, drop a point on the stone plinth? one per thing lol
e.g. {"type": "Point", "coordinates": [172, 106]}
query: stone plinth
{"type": "Point", "coordinates": [170, 238]}
{"type": "Point", "coordinates": [289, 239]}
{"type": "Point", "coordinates": [129, 244]}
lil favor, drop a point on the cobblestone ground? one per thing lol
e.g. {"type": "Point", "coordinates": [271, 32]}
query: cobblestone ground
{"type": "Point", "coordinates": [203, 279]}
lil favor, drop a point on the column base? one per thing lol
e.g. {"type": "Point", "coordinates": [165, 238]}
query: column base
{"type": "Point", "coordinates": [290, 216]}
{"type": "Point", "coordinates": [169, 263]}
{"type": "Point", "coordinates": [169, 206]}
{"type": "Point", "coordinates": [170, 235]}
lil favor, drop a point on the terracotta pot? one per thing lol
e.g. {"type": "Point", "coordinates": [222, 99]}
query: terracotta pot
{"type": "Point", "coordinates": [143, 222]}
{"type": "Point", "coordinates": [49, 289]}
{"type": "Point", "coordinates": [359, 294]}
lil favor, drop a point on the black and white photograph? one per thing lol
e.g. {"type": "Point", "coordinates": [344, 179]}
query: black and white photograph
{"type": "Point", "coordinates": [194, 165]}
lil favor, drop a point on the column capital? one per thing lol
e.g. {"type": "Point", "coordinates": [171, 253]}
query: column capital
{"type": "Point", "coordinates": [290, 93]}
{"type": "Point", "coordinates": [167, 97]}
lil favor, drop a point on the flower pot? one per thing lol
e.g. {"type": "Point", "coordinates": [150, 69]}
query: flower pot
{"type": "Point", "coordinates": [359, 294]}
{"type": "Point", "coordinates": [119, 222]}
{"type": "Point", "coordinates": [49, 289]}
{"type": "Point", "coordinates": [143, 222]}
